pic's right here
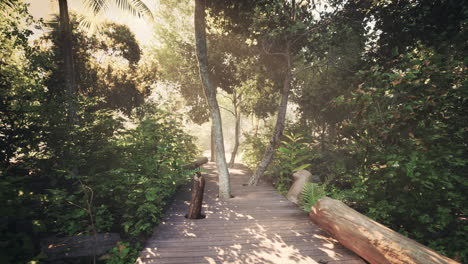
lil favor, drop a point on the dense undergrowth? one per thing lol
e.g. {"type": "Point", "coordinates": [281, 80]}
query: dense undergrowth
{"type": "Point", "coordinates": [381, 115]}
{"type": "Point", "coordinates": [386, 132]}
{"type": "Point", "coordinates": [104, 172]}
{"type": "Point", "coordinates": [400, 156]}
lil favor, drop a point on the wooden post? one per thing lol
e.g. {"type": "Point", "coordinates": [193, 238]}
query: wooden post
{"type": "Point", "coordinates": [372, 241]}
{"type": "Point", "coordinates": [198, 188]}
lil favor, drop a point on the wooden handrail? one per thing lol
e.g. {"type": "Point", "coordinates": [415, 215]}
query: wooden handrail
{"type": "Point", "coordinates": [197, 163]}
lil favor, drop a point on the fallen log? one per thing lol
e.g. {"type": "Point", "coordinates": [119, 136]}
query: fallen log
{"type": "Point", "coordinates": [300, 178]}
{"type": "Point", "coordinates": [372, 241]}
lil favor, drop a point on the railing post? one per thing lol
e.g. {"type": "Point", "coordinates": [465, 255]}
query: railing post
{"type": "Point", "coordinates": [198, 188]}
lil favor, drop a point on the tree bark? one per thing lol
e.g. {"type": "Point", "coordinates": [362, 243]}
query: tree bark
{"type": "Point", "coordinates": [237, 130]}
{"type": "Point", "coordinates": [212, 146]}
{"type": "Point", "coordinates": [256, 125]}
{"type": "Point", "coordinates": [198, 189]}
{"type": "Point", "coordinates": [279, 126]}
{"type": "Point", "coordinates": [210, 91]}
{"type": "Point", "coordinates": [372, 241]}
{"type": "Point", "coordinates": [70, 79]}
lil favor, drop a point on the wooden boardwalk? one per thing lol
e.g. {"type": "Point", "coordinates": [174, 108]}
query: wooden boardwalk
{"type": "Point", "coordinates": [258, 225]}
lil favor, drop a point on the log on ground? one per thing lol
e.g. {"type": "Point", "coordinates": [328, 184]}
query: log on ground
{"type": "Point", "coordinates": [372, 241]}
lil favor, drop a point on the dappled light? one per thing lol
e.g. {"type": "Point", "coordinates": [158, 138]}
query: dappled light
{"type": "Point", "coordinates": [258, 225]}
{"type": "Point", "coordinates": [245, 131]}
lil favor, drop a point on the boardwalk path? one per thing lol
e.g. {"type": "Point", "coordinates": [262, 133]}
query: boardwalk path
{"type": "Point", "coordinates": [258, 225]}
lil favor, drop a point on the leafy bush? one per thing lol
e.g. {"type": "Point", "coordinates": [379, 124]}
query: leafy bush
{"type": "Point", "coordinates": [123, 253]}
{"type": "Point", "coordinates": [253, 148]}
{"type": "Point", "coordinates": [98, 175]}
{"type": "Point", "coordinates": [292, 155]}
{"type": "Point", "coordinates": [125, 183]}
{"type": "Point", "coordinates": [408, 137]}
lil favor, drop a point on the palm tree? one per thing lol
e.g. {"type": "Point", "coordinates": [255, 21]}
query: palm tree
{"type": "Point", "coordinates": [135, 7]}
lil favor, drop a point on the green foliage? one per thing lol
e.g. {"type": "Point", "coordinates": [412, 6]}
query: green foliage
{"type": "Point", "coordinates": [388, 108]}
{"type": "Point", "coordinates": [311, 193]}
{"type": "Point", "coordinates": [107, 173]}
{"type": "Point", "coordinates": [123, 253]}
{"type": "Point", "coordinates": [412, 125]}
{"type": "Point", "coordinates": [115, 76]}
{"type": "Point", "coordinates": [21, 91]}
{"type": "Point", "coordinates": [132, 174]}
{"type": "Point", "coordinates": [253, 148]}
{"type": "Point", "coordinates": [292, 155]}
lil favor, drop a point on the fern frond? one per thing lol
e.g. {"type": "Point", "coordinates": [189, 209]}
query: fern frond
{"type": "Point", "coordinates": [311, 193]}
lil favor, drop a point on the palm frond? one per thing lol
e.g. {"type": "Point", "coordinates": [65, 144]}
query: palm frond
{"type": "Point", "coordinates": [97, 6]}
{"type": "Point", "coordinates": [8, 5]}
{"type": "Point", "coordinates": [135, 7]}
{"type": "Point", "coordinates": [90, 23]}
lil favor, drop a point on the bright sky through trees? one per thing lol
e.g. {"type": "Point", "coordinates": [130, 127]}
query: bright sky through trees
{"type": "Point", "coordinates": [140, 26]}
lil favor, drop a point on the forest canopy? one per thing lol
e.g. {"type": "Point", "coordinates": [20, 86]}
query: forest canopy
{"type": "Point", "coordinates": [369, 96]}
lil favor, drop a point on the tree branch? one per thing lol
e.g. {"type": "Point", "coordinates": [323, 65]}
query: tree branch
{"type": "Point", "coordinates": [272, 53]}
{"type": "Point", "coordinates": [230, 111]}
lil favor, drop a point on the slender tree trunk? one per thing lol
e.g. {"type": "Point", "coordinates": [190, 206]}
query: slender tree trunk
{"type": "Point", "coordinates": [210, 91]}
{"type": "Point", "coordinates": [256, 125]}
{"type": "Point", "coordinates": [212, 146]}
{"type": "Point", "coordinates": [279, 126]}
{"type": "Point", "coordinates": [70, 80]}
{"type": "Point", "coordinates": [237, 131]}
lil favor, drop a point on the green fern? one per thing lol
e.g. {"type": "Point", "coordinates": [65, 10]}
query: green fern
{"type": "Point", "coordinates": [311, 193]}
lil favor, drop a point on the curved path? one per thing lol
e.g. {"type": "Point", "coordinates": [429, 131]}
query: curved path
{"type": "Point", "coordinates": [258, 225]}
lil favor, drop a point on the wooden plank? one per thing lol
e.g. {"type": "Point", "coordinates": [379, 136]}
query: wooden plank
{"type": "Point", "coordinates": [258, 257]}
{"type": "Point", "coordinates": [258, 225]}
{"type": "Point", "coordinates": [214, 252]}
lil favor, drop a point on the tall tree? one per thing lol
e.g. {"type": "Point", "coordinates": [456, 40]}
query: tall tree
{"type": "Point", "coordinates": [237, 115]}
{"type": "Point", "coordinates": [135, 7]}
{"type": "Point", "coordinates": [67, 53]}
{"type": "Point", "coordinates": [210, 92]}
{"type": "Point", "coordinates": [288, 24]}
{"type": "Point", "coordinates": [280, 119]}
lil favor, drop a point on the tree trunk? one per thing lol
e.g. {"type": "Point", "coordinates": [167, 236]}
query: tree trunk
{"type": "Point", "coordinates": [370, 240]}
{"type": "Point", "coordinates": [255, 125]}
{"type": "Point", "coordinates": [210, 91]}
{"type": "Point", "coordinates": [198, 188]}
{"type": "Point", "coordinates": [70, 80]}
{"type": "Point", "coordinates": [279, 127]}
{"type": "Point", "coordinates": [212, 146]}
{"type": "Point", "coordinates": [237, 131]}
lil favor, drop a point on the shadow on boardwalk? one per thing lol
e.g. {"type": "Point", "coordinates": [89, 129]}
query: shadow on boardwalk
{"type": "Point", "coordinates": [258, 225]}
